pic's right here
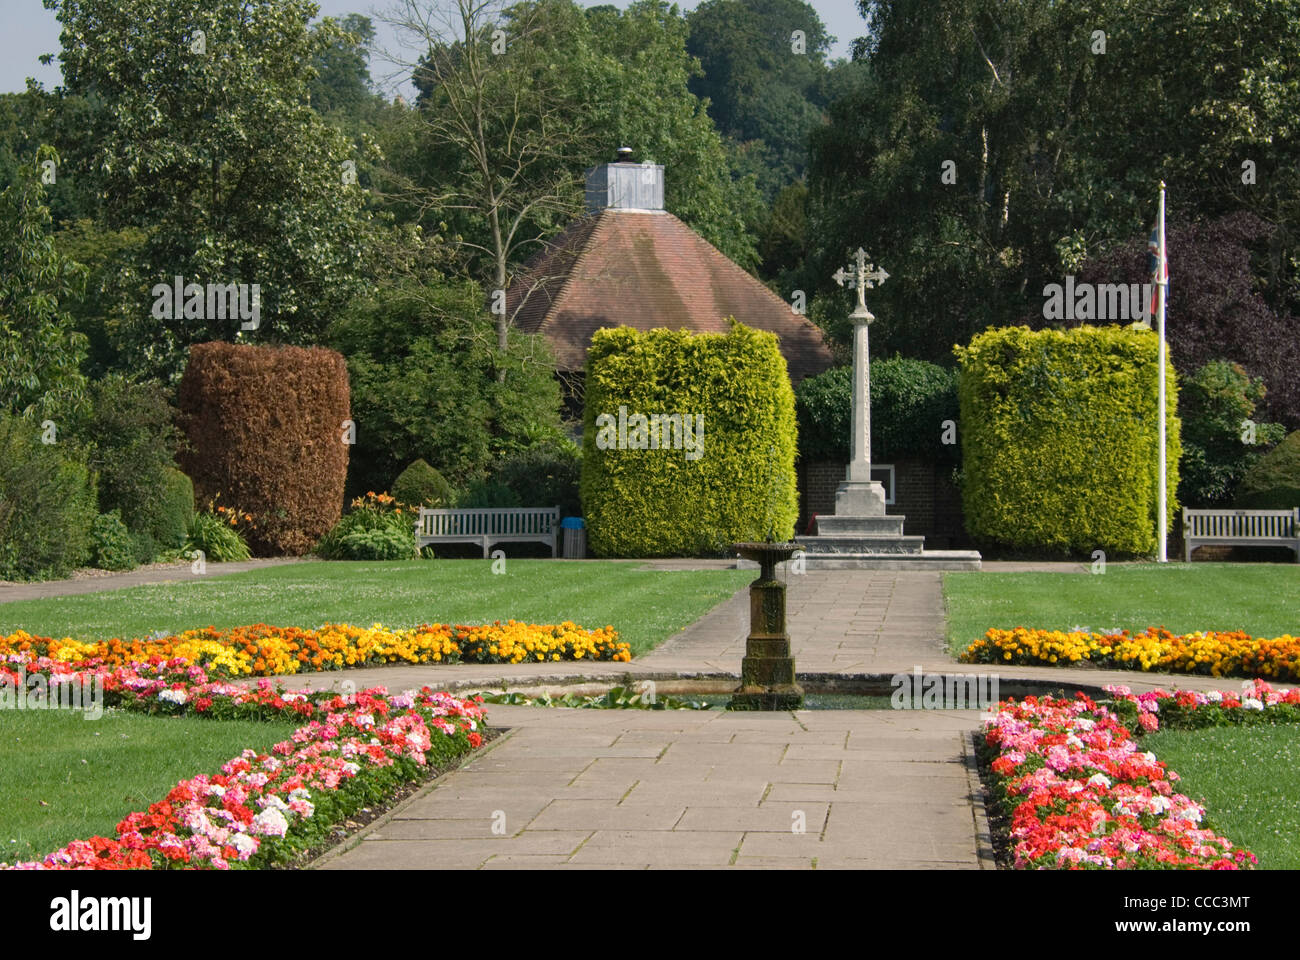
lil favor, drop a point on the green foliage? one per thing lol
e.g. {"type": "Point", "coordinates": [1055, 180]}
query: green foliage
{"type": "Point", "coordinates": [40, 352]}
{"type": "Point", "coordinates": [376, 528]}
{"type": "Point", "coordinates": [111, 545]}
{"type": "Point", "coordinates": [47, 504]}
{"type": "Point", "coordinates": [132, 441]}
{"type": "Point", "coordinates": [422, 361]}
{"type": "Point", "coordinates": [1048, 172]}
{"type": "Point", "coordinates": [218, 156]}
{"type": "Point", "coordinates": [1059, 439]}
{"type": "Point", "coordinates": [910, 400]}
{"type": "Point", "coordinates": [169, 519]}
{"type": "Point", "coordinates": [103, 252]}
{"type": "Point", "coordinates": [1216, 403]}
{"type": "Point", "coordinates": [1273, 481]}
{"type": "Point", "coordinates": [419, 485]}
{"type": "Point", "coordinates": [217, 538]}
{"type": "Point", "coordinates": [490, 493]}
{"type": "Point", "coordinates": [761, 93]}
{"type": "Point", "coordinates": [545, 476]}
{"type": "Point", "coordinates": [737, 484]}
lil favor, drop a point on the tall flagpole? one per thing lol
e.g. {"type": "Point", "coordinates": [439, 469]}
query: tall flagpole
{"type": "Point", "coordinates": [1162, 279]}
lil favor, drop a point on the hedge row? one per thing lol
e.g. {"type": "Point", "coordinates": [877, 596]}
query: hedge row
{"type": "Point", "coordinates": [737, 484]}
{"type": "Point", "coordinates": [1059, 438]}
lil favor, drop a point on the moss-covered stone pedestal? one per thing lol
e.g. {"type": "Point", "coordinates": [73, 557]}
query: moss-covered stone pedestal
{"type": "Point", "coordinates": [767, 671]}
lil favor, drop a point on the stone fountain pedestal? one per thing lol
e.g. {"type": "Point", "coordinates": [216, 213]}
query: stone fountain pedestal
{"type": "Point", "coordinates": [767, 679]}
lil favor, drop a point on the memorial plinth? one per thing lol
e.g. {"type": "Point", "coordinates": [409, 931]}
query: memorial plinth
{"type": "Point", "coordinates": [861, 534]}
{"type": "Point", "coordinates": [767, 670]}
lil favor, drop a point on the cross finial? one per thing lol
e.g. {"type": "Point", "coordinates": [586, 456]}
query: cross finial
{"type": "Point", "coordinates": [862, 276]}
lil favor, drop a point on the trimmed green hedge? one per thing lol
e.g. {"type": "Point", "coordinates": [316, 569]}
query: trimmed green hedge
{"type": "Point", "coordinates": [733, 480]}
{"type": "Point", "coordinates": [910, 400]}
{"type": "Point", "coordinates": [1059, 439]}
{"type": "Point", "coordinates": [1273, 482]}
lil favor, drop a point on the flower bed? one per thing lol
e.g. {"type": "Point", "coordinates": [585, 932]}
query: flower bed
{"type": "Point", "coordinates": [1076, 792]}
{"type": "Point", "coordinates": [1217, 654]}
{"type": "Point", "coordinates": [261, 650]}
{"type": "Point", "coordinates": [264, 809]}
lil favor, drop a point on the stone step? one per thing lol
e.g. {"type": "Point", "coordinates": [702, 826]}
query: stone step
{"type": "Point", "coordinates": [836, 525]}
{"type": "Point", "coordinates": [858, 543]}
{"type": "Point", "coordinates": [925, 560]}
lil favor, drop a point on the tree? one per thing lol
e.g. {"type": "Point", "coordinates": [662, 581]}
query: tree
{"type": "Point", "coordinates": [501, 149]}
{"type": "Point", "coordinates": [1220, 440]}
{"type": "Point", "coordinates": [206, 141]}
{"type": "Point", "coordinates": [420, 360]}
{"type": "Point", "coordinates": [40, 352]}
{"type": "Point", "coordinates": [763, 84]}
{"type": "Point", "coordinates": [1216, 310]}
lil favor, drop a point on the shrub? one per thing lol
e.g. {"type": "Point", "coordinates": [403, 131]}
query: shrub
{"type": "Point", "coordinates": [1059, 439]}
{"type": "Point", "coordinates": [133, 441]}
{"type": "Point", "coordinates": [489, 493]}
{"type": "Point", "coordinates": [376, 528]}
{"type": "Point", "coordinates": [423, 362]}
{"type": "Point", "coordinates": [173, 509]}
{"type": "Point", "coordinates": [47, 504]}
{"type": "Point", "coordinates": [1273, 482]}
{"type": "Point", "coordinates": [544, 476]}
{"type": "Point", "coordinates": [112, 547]}
{"type": "Point", "coordinates": [738, 483]}
{"type": "Point", "coordinates": [267, 427]}
{"type": "Point", "coordinates": [419, 485]}
{"type": "Point", "coordinates": [910, 400]}
{"type": "Point", "coordinates": [217, 537]}
{"type": "Point", "coordinates": [1215, 403]}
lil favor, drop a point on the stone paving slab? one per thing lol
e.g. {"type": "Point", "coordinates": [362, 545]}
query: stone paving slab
{"type": "Point", "coordinates": [724, 803]}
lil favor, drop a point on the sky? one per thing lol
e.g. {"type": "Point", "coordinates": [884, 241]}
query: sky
{"type": "Point", "coordinates": [31, 30]}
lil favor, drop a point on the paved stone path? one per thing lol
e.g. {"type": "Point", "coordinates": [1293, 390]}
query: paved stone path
{"type": "Point", "coordinates": [570, 788]}
{"type": "Point", "coordinates": [636, 790]}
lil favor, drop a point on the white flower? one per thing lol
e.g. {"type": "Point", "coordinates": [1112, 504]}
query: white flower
{"type": "Point", "coordinates": [270, 822]}
{"type": "Point", "coordinates": [246, 845]}
{"type": "Point", "coordinates": [302, 793]}
{"type": "Point", "coordinates": [1250, 703]}
{"type": "Point", "coordinates": [173, 696]}
{"type": "Point", "coordinates": [270, 801]}
{"type": "Point", "coordinates": [1099, 780]}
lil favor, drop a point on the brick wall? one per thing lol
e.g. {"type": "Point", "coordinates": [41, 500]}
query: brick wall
{"type": "Point", "coordinates": [924, 494]}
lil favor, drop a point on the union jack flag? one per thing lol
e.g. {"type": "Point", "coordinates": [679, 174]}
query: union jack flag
{"type": "Point", "coordinates": [1157, 267]}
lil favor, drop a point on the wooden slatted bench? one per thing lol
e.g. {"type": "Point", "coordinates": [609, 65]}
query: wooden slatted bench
{"type": "Point", "coordinates": [1247, 528]}
{"type": "Point", "coordinates": [489, 525]}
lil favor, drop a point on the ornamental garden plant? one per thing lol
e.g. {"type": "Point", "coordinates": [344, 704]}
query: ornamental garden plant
{"type": "Point", "coordinates": [1071, 788]}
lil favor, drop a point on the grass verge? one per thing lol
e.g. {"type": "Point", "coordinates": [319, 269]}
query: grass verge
{"type": "Point", "coordinates": [67, 778]}
{"type": "Point", "coordinates": [1248, 779]}
{"type": "Point", "coordinates": [645, 606]}
{"type": "Point", "coordinates": [1257, 598]}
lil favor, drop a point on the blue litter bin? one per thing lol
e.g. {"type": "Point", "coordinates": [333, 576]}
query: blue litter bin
{"type": "Point", "coordinates": [575, 537]}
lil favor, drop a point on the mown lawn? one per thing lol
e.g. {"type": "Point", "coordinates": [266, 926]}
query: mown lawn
{"type": "Point", "coordinates": [66, 777]}
{"type": "Point", "coordinates": [1248, 778]}
{"type": "Point", "coordinates": [645, 606]}
{"type": "Point", "coordinates": [1262, 599]}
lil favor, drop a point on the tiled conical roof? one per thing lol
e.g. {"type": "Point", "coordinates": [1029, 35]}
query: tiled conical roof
{"type": "Point", "coordinates": [648, 270]}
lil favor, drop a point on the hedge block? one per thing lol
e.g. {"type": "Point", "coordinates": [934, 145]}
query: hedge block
{"type": "Point", "coordinates": [1060, 439]}
{"type": "Point", "coordinates": [266, 425]}
{"type": "Point", "coordinates": [701, 490]}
